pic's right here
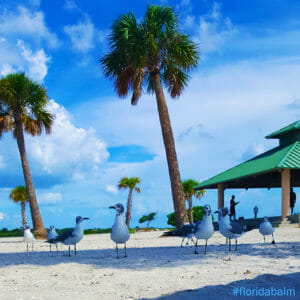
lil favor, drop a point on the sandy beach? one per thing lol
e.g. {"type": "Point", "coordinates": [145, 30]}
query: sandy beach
{"type": "Point", "coordinates": [156, 268]}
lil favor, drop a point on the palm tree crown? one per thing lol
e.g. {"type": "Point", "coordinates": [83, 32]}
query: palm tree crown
{"type": "Point", "coordinates": [153, 46]}
{"type": "Point", "coordinates": [23, 101]}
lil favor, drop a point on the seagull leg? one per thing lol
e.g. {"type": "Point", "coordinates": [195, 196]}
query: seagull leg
{"type": "Point", "coordinates": [205, 247]}
{"type": "Point", "coordinates": [193, 241]}
{"type": "Point", "coordinates": [182, 243]}
{"type": "Point", "coordinates": [235, 244]}
{"type": "Point", "coordinates": [125, 250]}
{"type": "Point", "coordinates": [117, 251]}
{"type": "Point", "coordinates": [50, 248]}
{"type": "Point", "coordinates": [69, 250]}
{"type": "Point", "coordinates": [75, 249]}
{"type": "Point", "coordinates": [196, 247]}
{"type": "Point", "coordinates": [27, 247]}
{"type": "Point", "coordinates": [264, 239]}
{"type": "Point", "coordinates": [229, 243]}
{"type": "Point", "coordinates": [273, 242]}
{"type": "Point", "coordinates": [56, 248]}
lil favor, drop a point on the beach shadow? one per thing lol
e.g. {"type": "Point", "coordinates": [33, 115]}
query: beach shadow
{"type": "Point", "coordinates": [151, 257]}
{"type": "Point", "coordinates": [268, 286]}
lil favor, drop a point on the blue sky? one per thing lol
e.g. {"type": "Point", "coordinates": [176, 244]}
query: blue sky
{"type": "Point", "coordinates": [245, 87]}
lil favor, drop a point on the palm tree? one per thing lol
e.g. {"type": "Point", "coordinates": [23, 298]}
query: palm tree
{"type": "Point", "coordinates": [22, 108]}
{"type": "Point", "coordinates": [19, 194]}
{"type": "Point", "coordinates": [153, 53]}
{"type": "Point", "coordinates": [147, 218]}
{"type": "Point", "coordinates": [188, 189]}
{"type": "Point", "coordinates": [130, 183]}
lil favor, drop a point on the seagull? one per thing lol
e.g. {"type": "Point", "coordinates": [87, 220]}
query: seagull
{"type": "Point", "coordinates": [205, 229]}
{"type": "Point", "coordinates": [72, 236]}
{"type": "Point", "coordinates": [28, 236]}
{"type": "Point", "coordinates": [229, 229]}
{"type": "Point", "coordinates": [266, 228]}
{"type": "Point", "coordinates": [52, 234]}
{"type": "Point", "coordinates": [187, 231]}
{"type": "Point", "coordinates": [119, 231]}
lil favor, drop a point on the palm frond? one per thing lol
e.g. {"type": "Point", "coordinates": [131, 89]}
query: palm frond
{"type": "Point", "coordinates": [137, 81]}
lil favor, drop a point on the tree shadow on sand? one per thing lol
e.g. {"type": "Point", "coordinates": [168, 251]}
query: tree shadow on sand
{"type": "Point", "coordinates": [151, 257]}
{"type": "Point", "coordinates": [268, 286]}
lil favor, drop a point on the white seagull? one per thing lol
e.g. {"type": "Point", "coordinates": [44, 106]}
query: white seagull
{"type": "Point", "coordinates": [230, 229]}
{"type": "Point", "coordinates": [52, 234]}
{"type": "Point", "coordinates": [266, 228]}
{"type": "Point", "coordinates": [205, 229]}
{"type": "Point", "coordinates": [28, 236]}
{"type": "Point", "coordinates": [72, 236]}
{"type": "Point", "coordinates": [119, 231]}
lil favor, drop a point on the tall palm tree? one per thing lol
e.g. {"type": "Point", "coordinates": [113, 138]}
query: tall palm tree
{"type": "Point", "coordinates": [130, 183]}
{"type": "Point", "coordinates": [153, 53]}
{"type": "Point", "coordinates": [19, 195]}
{"type": "Point", "coordinates": [22, 108]}
{"type": "Point", "coordinates": [188, 189]}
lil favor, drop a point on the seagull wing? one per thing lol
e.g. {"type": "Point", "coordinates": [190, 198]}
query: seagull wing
{"type": "Point", "coordinates": [237, 228]}
{"type": "Point", "coordinates": [64, 236]}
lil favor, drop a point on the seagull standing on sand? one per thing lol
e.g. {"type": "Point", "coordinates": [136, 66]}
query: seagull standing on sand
{"type": "Point", "coordinates": [205, 229]}
{"type": "Point", "coordinates": [230, 229]}
{"type": "Point", "coordinates": [72, 236]}
{"type": "Point", "coordinates": [52, 234]}
{"type": "Point", "coordinates": [119, 231]}
{"type": "Point", "coordinates": [28, 236]}
{"type": "Point", "coordinates": [266, 228]}
{"type": "Point", "coordinates": [186, 232]}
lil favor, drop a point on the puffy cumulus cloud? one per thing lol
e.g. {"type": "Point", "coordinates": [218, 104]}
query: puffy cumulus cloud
{"type": "Point", "coordinates": [1, 216]}
{"type": "Point", "coordinates": [49, 198]}
{"type": "Point", "coordinates": [70, 5]}
{"type": "Point", "coordinates": [36, 62]}
{"type": "Point", "coordinates": [68, 148]}
{"type": "Point", "coordinates": [26, 23]}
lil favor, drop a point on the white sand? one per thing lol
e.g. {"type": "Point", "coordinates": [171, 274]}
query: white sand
{"type": "Point", "coordinates": [155, 268]}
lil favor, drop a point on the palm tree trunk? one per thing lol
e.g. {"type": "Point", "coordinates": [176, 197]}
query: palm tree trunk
{"type": "Point", "coordinates": [176, 186]}
{"type": "Point", "coordinates": [190, 201]}
{"type": "Point", "coordinates": [38, 227]}
{"type": "Point", "coordinates": [129, 207]}
{"type": "Point", "coordinates": [23, 206]}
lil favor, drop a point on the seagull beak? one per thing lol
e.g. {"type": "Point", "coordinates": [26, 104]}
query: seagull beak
{"type": "Point", "coordinates": [216, 212]}
{"type": "Point", "coordinates": [113, 207]}
{"type": "Point", "coordinates": [85, 218]}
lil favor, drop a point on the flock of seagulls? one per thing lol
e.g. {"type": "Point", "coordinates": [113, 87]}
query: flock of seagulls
{"type": "Point", "coordinates": [229, 229]}
{"type": "Point", "coordinates": [203, 230]}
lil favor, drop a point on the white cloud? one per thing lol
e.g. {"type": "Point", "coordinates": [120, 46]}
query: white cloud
{"type": "Point", "coordinates": [213, 30]}
{"type": "Point", "coordinates": [49, 198]}
{"type": "Point", "coordinates": [6, 69]}
{"type": "Point", "coordinates": [30, 24]}
{"type": "Point", "coordinates": [2, 164]}
{"type": "Point", "coordinates": [36, 62]}
{"type": "Point", "coordinates": [82, 36]}
{"type": "Point", "coordinates": [111, 189]}
{"type": "Point", "coordinates": [67, 148]}
{"type": "Point", "coordinates": [70, 5]}
{"type": "Point", "coordinates": [1, 216]}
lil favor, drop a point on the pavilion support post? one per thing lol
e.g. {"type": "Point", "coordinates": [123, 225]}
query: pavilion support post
{"type": "Point", "coordinates": [220, 195]}
{"type": "Point", "coordinates": [285, 192]}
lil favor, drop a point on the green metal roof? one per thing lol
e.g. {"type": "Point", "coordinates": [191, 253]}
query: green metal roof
{"type": "Point", "coordinates": [281, 157]}
{"type": "Point", "coordinates": [294, 127]}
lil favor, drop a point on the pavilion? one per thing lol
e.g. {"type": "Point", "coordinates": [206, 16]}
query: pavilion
{"type": "Point", "coordinates": [278, 167]}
